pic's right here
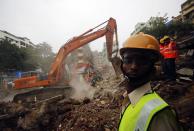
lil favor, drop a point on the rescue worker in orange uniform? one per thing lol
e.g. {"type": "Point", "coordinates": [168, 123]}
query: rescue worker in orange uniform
{"type": "Point", "coordinates": [169, 52]}
{"type": "Point", "coordinates": [143, 109]}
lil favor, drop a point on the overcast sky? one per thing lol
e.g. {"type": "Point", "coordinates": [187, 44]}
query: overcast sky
{"type": "Point", "coordinates": [56, 21]}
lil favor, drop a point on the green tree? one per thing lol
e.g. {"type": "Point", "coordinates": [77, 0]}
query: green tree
{"type": "Point", "coordinates": [179, 28]}
{"type": "Point", "coordinates": [158, 27]}
{"type": "Point", "coordinates": [11, 57]}
{"type": "Point", "coordinates": [32, 59]}
{"type": "Point", "coordinates": [46, 56]}
{"type": "Point", "coordinates": [25, 59]}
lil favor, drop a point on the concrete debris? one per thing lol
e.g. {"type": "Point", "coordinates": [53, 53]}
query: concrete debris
{"type": "Point", "coordinates": [180, 96]}
{"type": "Point", "coordinates": [185, 71]}
{"type": "Point", "coordinates": [100, 113]}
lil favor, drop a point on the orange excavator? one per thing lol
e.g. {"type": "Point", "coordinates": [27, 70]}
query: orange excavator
{"type": "Point", "coordinates": [55, 74]}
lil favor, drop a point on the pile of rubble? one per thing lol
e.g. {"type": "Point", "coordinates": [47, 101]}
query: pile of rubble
{"type": "Point", "coordinates": [100, 113]}
{"type": "Point", "coordinates": [179, 95]}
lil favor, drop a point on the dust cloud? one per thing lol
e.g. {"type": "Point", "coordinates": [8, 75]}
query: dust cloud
{"type": "Point", "coordinates": [82, 89]}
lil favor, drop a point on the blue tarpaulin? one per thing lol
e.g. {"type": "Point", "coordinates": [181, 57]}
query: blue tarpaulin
{"type": "Point", "coordinates": [18, 74]}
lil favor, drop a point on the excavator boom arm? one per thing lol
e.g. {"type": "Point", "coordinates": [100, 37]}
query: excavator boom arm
{"type": "Point", "coordinates": [79, 41]}
{"type": "Point", "coordinates": [54, 74]}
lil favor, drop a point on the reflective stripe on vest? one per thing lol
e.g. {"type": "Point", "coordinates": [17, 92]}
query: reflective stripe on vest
{"type": "Point", "coordinates": [137, 118]}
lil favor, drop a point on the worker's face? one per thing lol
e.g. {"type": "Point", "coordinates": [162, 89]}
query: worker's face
{"type": "Point", "coordinates": [136, 64]}
{"type": "Point", "coordinates": [167, 41]}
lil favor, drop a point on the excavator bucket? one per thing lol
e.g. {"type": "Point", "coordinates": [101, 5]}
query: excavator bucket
{"type": "Point", "coordinates": [116, 63]}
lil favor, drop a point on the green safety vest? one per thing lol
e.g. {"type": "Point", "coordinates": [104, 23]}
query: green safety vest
{"type": "Point", "coordinates": [138, 117]}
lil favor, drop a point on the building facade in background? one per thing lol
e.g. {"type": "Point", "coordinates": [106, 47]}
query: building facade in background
{"type": "Point", "coordinates": [139, 26]}
{"type": "Point", "coordinates": [187, 11]}
{"type": "Point", "coordinates": [18, 41]}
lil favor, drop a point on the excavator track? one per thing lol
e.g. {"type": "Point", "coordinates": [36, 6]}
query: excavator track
{"type": "Point", "coordinates": [43, 94]}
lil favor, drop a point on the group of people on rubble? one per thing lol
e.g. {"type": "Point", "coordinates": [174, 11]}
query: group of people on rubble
{"type": "Point", "coordinates": [142, 108]}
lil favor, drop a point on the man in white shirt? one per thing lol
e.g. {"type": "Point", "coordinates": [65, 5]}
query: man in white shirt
{"type": "Point", "coordinates": [143, 109]}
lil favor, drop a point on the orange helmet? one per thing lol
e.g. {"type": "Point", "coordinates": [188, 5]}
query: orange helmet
{"type": "Point", "coordinates": [142, 42]}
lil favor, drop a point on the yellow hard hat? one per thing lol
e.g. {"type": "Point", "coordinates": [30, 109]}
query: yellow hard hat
{"type": "Point", "coordinates": [161, 40]}
{"type": "Point", "coordinates": [142, 42]}
{"type": "Point", "coordinates": [166, 37]}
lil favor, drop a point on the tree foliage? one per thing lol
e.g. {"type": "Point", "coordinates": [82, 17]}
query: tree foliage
{"type": "Point", "coordinates": [180, 28]}
{"type": "Point", "coordinates": [45, 56]}
{"type": "Point", "coordinates": [156, 27]}
{"type": "Point", "coordinates": [11, 57]}
{"type": "Point", "coordinates": [32, 59]}
{"type": "Point", "coordinates": [159, 27]}
{"type": "Point", "coordinates": [25, 59]}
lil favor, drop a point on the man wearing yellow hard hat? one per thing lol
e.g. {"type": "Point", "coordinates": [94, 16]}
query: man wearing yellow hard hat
{"type": "Point", "coordinates": [169, 53]}
{"type": "Point", "coordinates": [143, 109]}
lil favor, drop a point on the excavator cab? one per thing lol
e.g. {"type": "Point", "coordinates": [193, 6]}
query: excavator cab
{"type": "Point", "coordinates": [30, 73]}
